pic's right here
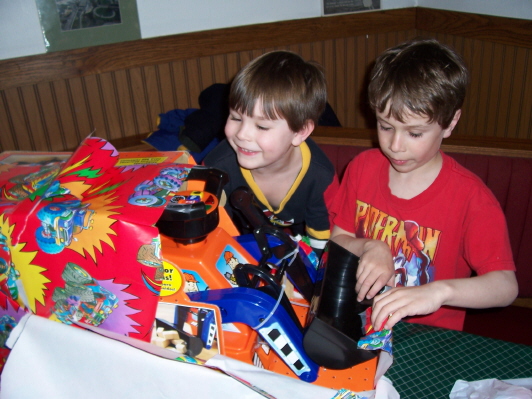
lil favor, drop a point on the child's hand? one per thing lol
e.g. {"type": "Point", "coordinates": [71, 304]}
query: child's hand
{"type": "Point", "coordinates": [375, 269]}
{"type": "Point", "coordinates": [392, 305]}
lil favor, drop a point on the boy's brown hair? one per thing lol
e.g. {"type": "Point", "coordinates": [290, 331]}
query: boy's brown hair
{"type": "Point", "coordinates": [421, 76]}
{"type": "Point", "coordinates": [288, 87]}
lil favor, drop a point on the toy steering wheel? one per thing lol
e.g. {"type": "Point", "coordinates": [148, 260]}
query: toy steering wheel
{"type": "Point", "coordinates": [242, 275]}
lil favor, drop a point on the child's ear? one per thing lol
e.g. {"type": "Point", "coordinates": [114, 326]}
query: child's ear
{"type": "Point", "coordinates": [455, 120]}
{"type": "Point", "coordinates": [302, 135]}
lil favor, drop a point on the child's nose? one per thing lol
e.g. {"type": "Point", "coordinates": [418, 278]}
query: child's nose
{"type": "Point", "coordinates": [244, 132]}
{"type": "Point", "coordinates": [396, 145]}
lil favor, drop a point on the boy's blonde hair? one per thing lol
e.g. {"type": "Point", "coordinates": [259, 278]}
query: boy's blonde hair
{"type": "Point", "coordinates": [288, 87]}
{"type": "Point", "coordinates": [421, 76]}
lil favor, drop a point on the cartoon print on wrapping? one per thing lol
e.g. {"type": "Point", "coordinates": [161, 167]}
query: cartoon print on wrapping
{"type": "Point", "coordinates": [10, 314]}
{"type": "Point", "coordinates": [72, 247]}
{"type": "Point", "coordinates": [413, 247]}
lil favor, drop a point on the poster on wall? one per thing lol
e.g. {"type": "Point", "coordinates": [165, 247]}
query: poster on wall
{"type": "Point", "coordinates": [345, 6]}
{"type": "Point", "coordinates": [69, 24]}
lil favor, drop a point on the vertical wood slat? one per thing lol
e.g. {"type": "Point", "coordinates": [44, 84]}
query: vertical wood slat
{"type": "Point", "coordinates": [493, 110]}
{"type": "Point", "coordinates": [52, 119]}
{"type": "Point", "coordinates": [80, 109]}
{"type": "Point", "coordinates": [513, 118]}
{"type": "Point", "coordinates": [139, 103]}
{"type": "Point", "coordinates": [219, 68]}
{"type": "Point", "coordinates": [65, 114]}
{"type": "Point", "coordinates": [20, 132]}
{"type": "Point", "coordinates": [96, 107]}
{"type": "Point", "coordinates": [7, 139]}
{"type": "Point", "coordinates": [482, 72]}
{"type": "Point", "coordinates": [39, 133]}
{"type": "Point", "coordinates": [180, 84]}
{"type": "Point", "coordinates": [121, 82]}
{"type": "Point", "coordinates": [152, 97]}
{"type": "Point", "coordinates": [193, 79]}
{"type": "Point", "coordinates": [108, 89]}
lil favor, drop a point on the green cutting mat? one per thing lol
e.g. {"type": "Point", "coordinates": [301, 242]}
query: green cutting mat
{"type": "Point", "coordinates": [429, 360]}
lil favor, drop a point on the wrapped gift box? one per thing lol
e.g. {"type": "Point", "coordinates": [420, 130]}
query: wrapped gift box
{"type": "Point", "coordinates": [77, 235]}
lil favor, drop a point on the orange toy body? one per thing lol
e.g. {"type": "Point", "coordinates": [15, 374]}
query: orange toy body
{"type": "Point", "coordinates": [357, 378]}
{"type": "Point", "coordinates": [205, 265]}
{"type": "Point", "coordinates": [209, 262]}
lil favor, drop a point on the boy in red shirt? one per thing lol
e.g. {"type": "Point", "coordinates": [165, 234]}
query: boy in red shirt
{"type": "Point", "coordinates": [418, 220]}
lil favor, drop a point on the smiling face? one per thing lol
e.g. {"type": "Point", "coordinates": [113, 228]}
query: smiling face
{"type": "Point", "coordinates": [412, 145]}
{"type": "Point", "coordinates": [261, 143]}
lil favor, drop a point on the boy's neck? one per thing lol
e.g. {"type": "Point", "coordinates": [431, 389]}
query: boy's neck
{"type": "Point", "coordinates": [276, 182]}
{"type": "Point", "coordinates": [407, 185]}
{"type": "Point", "coordinates": [286, 165]}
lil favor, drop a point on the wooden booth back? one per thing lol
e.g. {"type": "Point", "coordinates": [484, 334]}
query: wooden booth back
{"type": "Point", "coordinates": [50, 102]}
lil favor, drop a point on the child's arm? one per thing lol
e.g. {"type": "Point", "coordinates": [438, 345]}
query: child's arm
{"type": "Point", "coordinates": [493, 289]}
{"type": "Point", "coordinates": [375, 268]}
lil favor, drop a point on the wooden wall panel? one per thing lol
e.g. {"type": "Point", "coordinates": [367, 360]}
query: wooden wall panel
{"type": "Point", "coordinates": [110, 103]}
{"type": "Point", "coordinates": [525, 111]}
{"type": "Point", "coordinates": [152, 90]}
{"type": "Point", "coordinates": [347, 62]}
{"type": "Point", "coordinates": [165, 85]}
{"type": "Point", "coordinates": [95, 60]}
{"type": "Point", "coordinates": [219, 67]}
{"type": "Point", "coordinates": [126, 103]}
{"type": "Point", "coordinates": [20, 132]}
{"type": "Point", "coordinates": [520, 90]}
{"type": "Point", "coordinates": [95, 106]}
{"type": "Point", "coordinates": [495, 93]}
{"type": "Point", "coordinates": [349, 72]}
{"type": "Point", "coordinates": [51, 102]}
{"type": "Point", "coordinates": [506, 31]}
{"type": "Point", "coordinates": [180, 84]}
{"type": "Point", "coordinates": [63, 104]}
{"type": "Point", "coordinates": [34, 118]}
{"type": "Point", "coordinates": [328, 61]}
{"type": "Point", "coordinates": [139, 103]}
{"type": "Point", "coordinates": [52, 123]}
{"type": "Point", "coordinates": [232, 63]}
{"type": "Point", "coordinates": [498, 100]}
{"type": "Point", "coordinates": [80, 108]}
{"type": "Point", "coordinates": [7, 139]}
{"type": "Point", "coordinates": [122, 92]}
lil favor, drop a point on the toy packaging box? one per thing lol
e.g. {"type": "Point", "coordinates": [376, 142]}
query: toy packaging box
{"type": "Point", "coordinates": [77, 241]}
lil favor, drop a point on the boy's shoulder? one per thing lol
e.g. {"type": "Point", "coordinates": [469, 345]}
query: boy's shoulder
{"type": "Point", "coordinates": [220, 154]}
{"type": "Point", "coordinates": [467, 182]}
{"type": "Point", "coordinates": [460, 172]}
{"type": "Point", "coordinates": [318, 156]}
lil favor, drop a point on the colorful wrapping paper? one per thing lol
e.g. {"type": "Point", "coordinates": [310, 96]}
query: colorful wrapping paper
{"type": "Point", "coordinates": [77, 235]}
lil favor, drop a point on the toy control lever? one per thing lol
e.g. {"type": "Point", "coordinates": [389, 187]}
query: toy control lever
{"type": "Point", "coordinates": [242, 199]}
{"type": "Point", "coordinates": [268, 285]}
{"type": "Point", "coordinates": [334, 325]}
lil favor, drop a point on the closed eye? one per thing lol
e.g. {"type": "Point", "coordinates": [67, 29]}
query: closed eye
{"type": "Point", "coordinates": [384, 128]}
{"type": "Point", "coordinates": [415, 135]}
{"type": "Point", "coordinates": [263, 128]}
{"type": "Point", "coordinates": [234, 118]}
